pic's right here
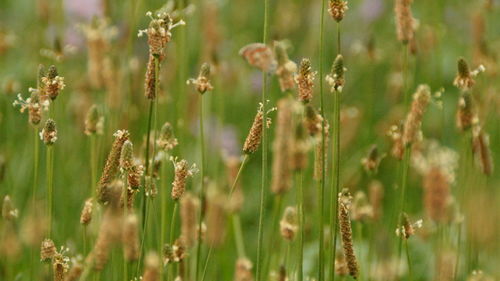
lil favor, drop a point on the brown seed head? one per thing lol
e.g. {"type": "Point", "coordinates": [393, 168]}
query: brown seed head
{"type": "Point", "coordinates": [60, 266]}
{"type": "Point", "coordinates": [482, 152]}
{"type": "Point", "coordinates": [93, 121]}
{"type": "Point", "coordinates": [243, 271]}
{"type": "Point", "coordinates": [282, 175]}
{"type": "Point", "coordinates": [463, 80]}
{"type": "Point", "coordinates": [286, 68]}
{"type": "Point", "coordinates": [182, 172]}
{"type": "Point", "coordinates": [405, 23]}
{"type": "Point", "coordinates": [436, 194]}
{"type": "Point", "coordinates": [53, 83]}
{"type": "Point", "coordinates": [130, 238]}
{"type": "Point", "coordinates": [166, 141]}
{"type": "Point", "coordinates": [465, 113]}
{"type": "Point", "coordinates": [202, 82]}
{"type": "Point", "coordinates": [253, 139]}
{"type": "Point", "coordinates": [305, 81]}
{"type": "Point", "coordinates": [48, 250]}
{"type": "Point", "coordinates": [345, 199]}
{"type": "Point", "coordinates": [337, 9]}
{"type": "Point", "coordinates": [413, 122]}
{"type": "Point", "coordinates": [75, 272]}
{"type": "Point", "coordinates": [150, 83]}
{"type": "Point", "coordinates": [215, 216]}
{"type": "Point", "coordinates": [189, 212]}
{"type": "Point", "coordinates": [49, 132]}
{"type": "Point", "coordinates": [111, 167]}
{"type": "Point", "coordinates": [86, 215]}
{"type": "Point", "coordinates": [152, 266]}
{"type": "Point", "coordinates": [336, 78]}
{"type": "Point", "coordinates": [159, 32]}
{"type": "Point", "coordinates": [312, 121]}
{"type": "Point", "coordinates": [289, 223]}
{"type": "Point", "coordinates": [300, 148]}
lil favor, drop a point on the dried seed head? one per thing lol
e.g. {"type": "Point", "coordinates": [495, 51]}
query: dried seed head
{"type": "Point", "coordinates": [111, 167]}
{"type": "Point", "coordinates": [182, 172]}
{"type": "Point", "coordinates": [130, 238]}
{"type": "Point", "coordinates": [202, 82]}
{"type": "Point", "coordinates": [152, 266]}
{"type": "Point", "coordinates": [372, 160]}
{"type": "Point", "coordinates": [134, 177]}
{"type": "Point", "coordinates": [49, 132]}
{"type": "Point", "coordinates": [253, 139]}
{"type": "Point", "coordinates": [34, 109]}
{"type": "Point", "coordinates": [53, 83]}
{"type": "Point", "coordinates": [86, 215]}
{"type": "Point", "coordinates": [9, 212]}
{"type": "Point", "coordinates": [215, 216]}
{"type": "Point", "coordinates": [174, 253]}
{"type": "Point", "coordinates": [109, 233]}
{"type": "Point", "coordinates": [48, 250]}
{"type": "Point", "coordinates": [396, 135]}
{"type": "Point", "coordinates": [337, 9]}
{"type": "Point", "coordinates": [465, 113]}
{"type": "Point", "coordinates": [286, 68]}
{"type": "Point", "coordinates": [405, 23]}
{"type": "Point", "coordinates": [189, 213]}
{"type": "Point", "coordinates": [289, 223]}
{"type": "Point", "coordinates": [159, 32]}
{"type": "Point", "coordinates": [336, 78]}
{"type": "Point", "coordinates": [436, 194]}
{"type": "Point", "coordinates": [93, 121]}
{"type": "Point", "coordinates": [126, 156]}
{"type": "Point", "coordinates": [464, 79]}
{"type": "Point", "coordinates": [413, 122]}
{"type": "Point", "coordinates": [166, 141]}
{"type": "Point", "coordinates": [34, 227]}
{"type": "Point", "coordinates": [305, 81]}
{"type": "Point", "coordinates": [282, 175]}
{"type": "Point", "coordinates": [406, 229]}
{"type": "Point", "coordinates": [312, 120]}
{"type": "Point", "coordinates": [109, 195]}
{"type": "Point", "coordinates": [341, 268]}
{"type": "Point", "coordinates": [243, 270]}
{"type": "Point", "coordinates": [376, 195]}
{"type": "Point", "coordinates": [345, 199]}
{"type": "Point", "coordinates": [150, 81]}
{"type": "Point", "coordinates": [60, 266]}
{"type": "Point", "coordinates": [318, 155]}
{"type": "Point", "coordinates": [75, 272]}
{"type": "Point", "coordinates": [482, 152]}
{"type": "Point", "coordinates": [259, 55]}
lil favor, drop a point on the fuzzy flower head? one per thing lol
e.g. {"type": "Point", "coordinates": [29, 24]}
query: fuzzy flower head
{"type": "Point", "coordinates": [53, 83]}
{"type": "Point", "coordinates": [253, 139]}
{"type": "Point", "coordinates": [202, 82]}
{"type": "Point", "coordinates": [94, 121]}
{"type": "Point", "coordinates": [166, 141]}
{"type": "Point", "coordinates": [305, 81]}
{"type": "Point", "coordinates": [34, 105]}
{"type": "Point", "coordinates": [464, 79]}
{"type": "Point", "coordinates": [49, 132]}
{"type": "Point", "coordinates": [182, 172]}
{"type": "Point", "coordinates": [286, 68]}
{"type": "Point", "coordinates": [372, 160]}
{"type": "Point", "coordinates": [336, 77]}
{"type": "Point", "coordinates": [337, 9]}
{"type": "Point", "coordinates": [159, 32]}
{"type": "Point", "coordinates": [407, 228]}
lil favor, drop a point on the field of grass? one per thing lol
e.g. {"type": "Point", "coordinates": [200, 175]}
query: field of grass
{"type": "Point", "coordinates": [249, 140]}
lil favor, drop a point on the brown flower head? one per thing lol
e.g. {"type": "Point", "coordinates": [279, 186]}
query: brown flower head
{"type": "Point", "coordinates": [49, 132]}
{"type": "Point", "coordinates": [53, 83]}
{"type": "Point", "coordinates": [286, 68]}
{"type": "Point", "coordinates": [289, 223]}
{"type": "Point", "coordinates": [305, 81]}
{"type": "Point", "coordinates": [202, 82]}
{"type": "Point", "coordinates": [336, 78]}
{"type": "Point", "coordinates": [166, 141]}
{"type": "Point", "coordinates": [94, 122]}
{"type": "Point", "coordinates": [159, 32]}
{"type": "Point", "coordinates": [182, 172]}
{"type": "Point", "coordinates": [337, 9]}
{"type": "Point", "coordinates": [413, 121]}
{"type": "Point", "coordinates": [253, 139]}
{"type": "Point", "coordinates": [405, 23]}
{"type": "Point", "coordinates": [465, 77]}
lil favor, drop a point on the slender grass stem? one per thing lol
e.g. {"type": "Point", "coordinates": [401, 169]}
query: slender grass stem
{"type": "Point", "coordinates": [278, 201]}
{"type": "Point", "coordinates": [408, 260]}
{"type": "Point", "coordinates": [173, 222]}
{"type": "Point", "coordinates": [459, 248]}
{"type": "Point", "coordinates": [323, 170]}
{"type": "Point", "coordinates": [242, 165]}
{"type": "Point", "coordinates": [93, 164]}
{"type": "Point", "coordinates": [238, 235]}
{"type": "Point", "coordinates": [36, 156]}
{"type": "Point", "coordinates": [202, 188]}
{"type": "Point", "coordinates": [163, 215]}
{"type": "Point", "coordinates": [146, 165]}
{"type": "Point", "coordinates": [336, 182]}
{"type": "Point", "coordinates": [125, 214]}
{"type": "Point", "coordinates": [50, 185]}
{"type": "Point", "coordinates": [300, 208]}
{"type": "Point", "coordinates": [402, 203]}
{"type": "Point", "coordinates": [210, 249]}
{"type": "Point", "coordinates": [260, 235]}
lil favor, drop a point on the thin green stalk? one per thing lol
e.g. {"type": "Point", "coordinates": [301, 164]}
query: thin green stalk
{"type": "Point", "coordinates": [402, 203]}
{"type": "Point", "coordinates": [459, 248]}
{"type": "Point", "coordinates": [408, 260]}
{"type": "Point", "coordinates": [146, 168]}
{"type": "Point", "coordinates": [163, 215]}
{"type": "Point", "coordinates": [36, 156]}
{"type": "Point", "coordinates": [278, 201]}
{"type": "Point", "coordinates": [323, 170]}
{"type": "Point", "coordinates": [260, 235]}
{"type": "Point", "coordinates": [125, 214]}
{"type": "Point", "coordinates": [336, 182]}
{"type": "Point", "coordinates": [206, 263]}
{"type": "Point", "coordinates": [202, 188]}
{"type": "Point", "coordinates": [300, 207]}
{"type": "Point", "coordinates": [172, 222]}
{"type": "Point", "coordinates": [50, 185]}
{"type": "Point", "coordinates": [242, 165]}
{"type": "Point", "coordinates": [238, 235]}
{"type": "Point", "coordinates": [93, 164]}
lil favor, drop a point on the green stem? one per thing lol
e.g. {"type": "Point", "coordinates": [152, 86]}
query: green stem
{"type": "Point", "coordinates": [206, 263]}
{"type": "Point", "coordinates": [125, 214]}
{"type": "Point", "coordinates": [238, 235]}
{"type": "Point", "coordinates": [163, 215]}
{"type": "Point", "coordinates": [336, 182]}
{"type": "Point", "coordinates": [36, 156]}
{"type": "Point", "coordinates": [402, 203]}
{"type": "Point", "coordinates": [459, 248]}
{"type": "Point", "coordinates": [172, 222]}
{"type": "Point", "coordinates": [278, 201]}
{"type": "Point", "coordinates": [146, 165]}
{"type": "Point", "coordinates": [93, 164]}
{"type": "Point", "coordinates": [242, 165]}
{"type": "Point", "coordinates": [300, 207]}
{"type": "Point", "coordinates": [260, 235]}
{"type": "Point", "coordinates": [50, 187]}
{"type": "Point", "coordinates": [202, 188]}
{"type": "Point", "coordinates": [321, 271]}
{"type": "Point", "coordinates": [408, 260]}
